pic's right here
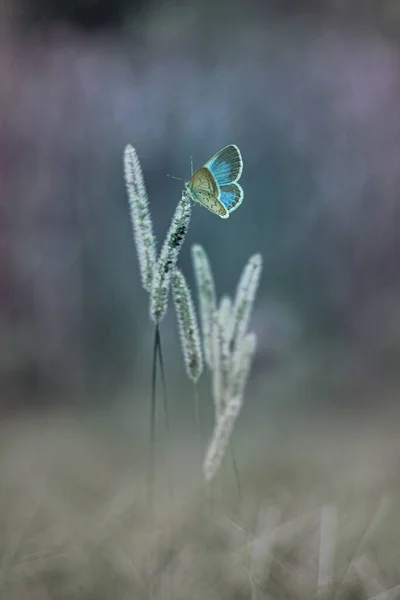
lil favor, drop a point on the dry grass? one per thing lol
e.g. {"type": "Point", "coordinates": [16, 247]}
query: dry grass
{"type": "Point", "coordinates": [319, 516]}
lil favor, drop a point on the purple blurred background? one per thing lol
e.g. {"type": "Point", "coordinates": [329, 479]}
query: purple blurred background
{"type": "Point", "coordinates": [309, 93]}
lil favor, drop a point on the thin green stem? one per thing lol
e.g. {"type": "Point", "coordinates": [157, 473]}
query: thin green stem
{"type": "Point", "coordinates": [211, 496]}
{"type": "Point", "coordinates": [196, 407]}
{"type": "Point", "coordinates": [163, 381]}
{"type": "Point", "coordinates": [151, 472]}
{"type": "Point", "coordinates": [197, 417]}
{"type": "Point", "coordinates": [236, 471]}
{"type": "Point", "coordinates": [166, 415]}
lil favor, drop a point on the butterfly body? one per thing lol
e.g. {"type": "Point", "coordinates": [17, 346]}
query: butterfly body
{"type": "Point", "coordinates": [215, 184]}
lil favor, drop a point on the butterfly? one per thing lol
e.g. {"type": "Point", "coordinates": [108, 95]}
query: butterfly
{"type": "Point", "coordinates": [215, 185]}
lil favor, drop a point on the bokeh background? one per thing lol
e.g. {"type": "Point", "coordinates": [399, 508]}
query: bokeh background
{"type": "Point", "coordinates": [309, 91]}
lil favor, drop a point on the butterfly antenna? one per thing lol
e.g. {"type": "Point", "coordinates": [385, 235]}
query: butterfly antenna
{"type": "Point", "coordinates": [173, 177]}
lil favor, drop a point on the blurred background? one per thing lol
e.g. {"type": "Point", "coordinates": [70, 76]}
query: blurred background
{"type": "Point", "coordinates": [309, 90]}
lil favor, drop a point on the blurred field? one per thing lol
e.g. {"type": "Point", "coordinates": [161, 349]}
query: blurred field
{"type": "Point", "coordinates": [310, 93]}
{"type": "Point", "coordinates": [76, 524]}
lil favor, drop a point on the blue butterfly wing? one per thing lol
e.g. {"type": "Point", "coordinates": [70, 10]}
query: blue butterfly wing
{"type": "Point", "coordinates": [231, 196]}
{"type": "Point", "coordinates": [226, 166]}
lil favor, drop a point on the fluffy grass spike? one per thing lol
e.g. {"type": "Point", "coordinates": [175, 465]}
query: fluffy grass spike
{"type": "Point", "coordinates": [167, 260]}
{"type": "Point", "coordinates": [220, 438]}
{"type": "Point", "coordinates": [225, 311]}
{"type": "Point", "coordinates": [244, 300]}
{"type": "Point", "coordinates": [224, 315]}
{"type": "Point", "coordinates": [207, 298]}
{"type": "Point", "coordinates": [217, 381]}
{"type": "Point", "coordinates": [241, 364]}
{"type": "Point", "coordinates": [188, 327]}
{"type": "Point", "coordinates": [140, 216]}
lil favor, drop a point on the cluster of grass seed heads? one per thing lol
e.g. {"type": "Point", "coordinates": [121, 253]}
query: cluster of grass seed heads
{"type": "Point", "coordinates": [140, 216]}
{"type": "Point", "coordinates": [228, 348]}
{"type": "Point", "coordinates": [166, 263]}
{"type": "Point", "coordinates": [156, 273]}
{"type": "Point", "coordinates": [230, 409]}
{"type": "Point", "coordinates": [231, 351]}
{"type": "Point", "coordinates": [188, 327]}
{"type": "Point", "coordinates": [207, 298]}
